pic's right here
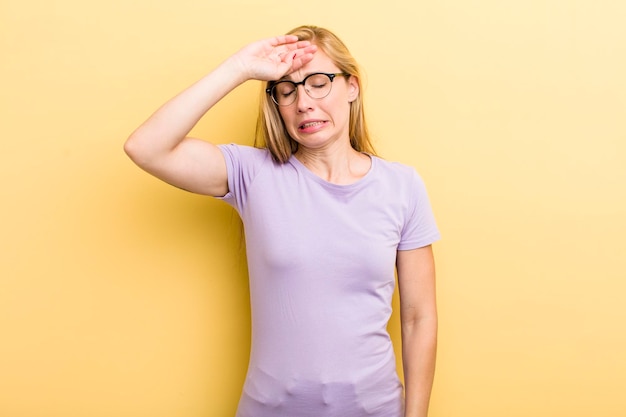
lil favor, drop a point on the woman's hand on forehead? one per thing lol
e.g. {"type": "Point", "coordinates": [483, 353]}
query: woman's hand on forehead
{"type": "Point", "coordinates": [272, 58]}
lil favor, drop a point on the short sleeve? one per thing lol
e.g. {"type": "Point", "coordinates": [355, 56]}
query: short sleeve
{"type": "Point", "coordinates": [242, 164]}
{"type": "Point", "coordinates": [420, 228]}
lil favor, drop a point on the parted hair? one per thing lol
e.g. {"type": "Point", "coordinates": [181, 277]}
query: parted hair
{"type": "Point", "coordinates": [270, 129]}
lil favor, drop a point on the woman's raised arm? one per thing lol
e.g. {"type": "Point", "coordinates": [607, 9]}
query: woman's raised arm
{"type": "Point", "coordinates": [160, 145]}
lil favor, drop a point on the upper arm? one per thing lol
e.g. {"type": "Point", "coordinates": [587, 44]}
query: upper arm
{"type": "Point", "coordinates": [416, 284]}
{"type": "Point", "coordinates": [193, 165]}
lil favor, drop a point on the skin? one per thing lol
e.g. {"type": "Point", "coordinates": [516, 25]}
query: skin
{"type": "Point", "coordinates": [162, 147]}
{"type": "Point", "coordinates": [325, 148]}
{"type": "Point", "coordinates": [418, 315]}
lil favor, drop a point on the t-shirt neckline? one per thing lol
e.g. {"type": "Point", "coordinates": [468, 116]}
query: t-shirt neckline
{"type": "Point", "coordinates": [300, 167]}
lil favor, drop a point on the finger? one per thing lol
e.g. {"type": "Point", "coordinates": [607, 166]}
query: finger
{"type": "Point", "coordinates": [300, 61]}
{"type": "Point", "coordinates": [283, 39]}
{"type": "Point", "coordinates": [303, 44]}
{"type": "Point", "coordinates": [286, 49]}
{"type": "Point", "coordinates": [305, 54]}
{"type": "Point", "coordinates": [301, 57]}
{"type": "Point", "coordinates": [297, 45]}
{"type": "Point", "coordinates": [310, 49]}
{"type": "Point", "coordinates": [299, 52]}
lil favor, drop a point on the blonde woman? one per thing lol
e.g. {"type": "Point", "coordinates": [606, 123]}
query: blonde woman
{"type": "Point", "coordinates": [327, 224]}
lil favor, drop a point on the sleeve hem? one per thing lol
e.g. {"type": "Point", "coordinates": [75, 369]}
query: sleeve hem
{"type": "Point", "coordinates": [419, 244]}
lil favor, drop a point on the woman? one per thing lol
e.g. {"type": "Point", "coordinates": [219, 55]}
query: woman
{"type": "Point", "coordinates": [326, 222]}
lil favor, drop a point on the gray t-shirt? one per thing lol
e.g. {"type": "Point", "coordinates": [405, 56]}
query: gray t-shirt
{"type": "Point", "coordinates": [321, 261]}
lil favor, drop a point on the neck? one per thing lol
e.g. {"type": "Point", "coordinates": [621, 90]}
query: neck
{"type": "Point", "coordinates": [341, 165]}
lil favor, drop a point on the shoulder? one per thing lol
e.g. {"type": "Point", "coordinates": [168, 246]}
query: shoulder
{"type": "Point", "coordinates": [236, 151]}
{"type": "Point", "coordinates": [403, 180]}
{"type": "Point", "coordinates": [397, 171]}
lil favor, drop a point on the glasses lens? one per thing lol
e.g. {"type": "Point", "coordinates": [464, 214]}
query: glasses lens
{"type": "Point", "coordinates": [284, 93]}
{"type": "Point", "coordinates": [318, 85]}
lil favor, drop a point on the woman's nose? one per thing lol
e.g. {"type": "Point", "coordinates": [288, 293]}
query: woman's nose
{"type": "Point", "coordinates": [303, 101]}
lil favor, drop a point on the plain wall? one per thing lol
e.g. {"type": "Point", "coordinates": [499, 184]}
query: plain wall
{"type": "Point", "coordinates": [123, 296]}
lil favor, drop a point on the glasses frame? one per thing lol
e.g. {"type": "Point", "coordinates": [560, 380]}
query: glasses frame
{"type": "Point", "coordinates": [331, 76]}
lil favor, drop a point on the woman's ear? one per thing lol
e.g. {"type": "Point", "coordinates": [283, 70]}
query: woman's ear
{"type": "Point", "coordinates": [353, 88]}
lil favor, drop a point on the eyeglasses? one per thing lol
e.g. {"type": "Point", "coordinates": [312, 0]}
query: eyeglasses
{"type": "Point", "coordinates": [316, 85]}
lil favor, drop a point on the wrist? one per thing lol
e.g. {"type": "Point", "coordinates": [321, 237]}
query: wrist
{"type": "Point", "coordinates": [236, 68]}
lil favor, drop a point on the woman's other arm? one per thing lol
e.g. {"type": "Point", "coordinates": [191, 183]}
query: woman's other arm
{"type": "Point", "coordinates": [418, 314]}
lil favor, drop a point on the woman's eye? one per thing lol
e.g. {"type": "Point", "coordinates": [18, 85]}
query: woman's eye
{"type": "Point", "coordinates": [285, 90]}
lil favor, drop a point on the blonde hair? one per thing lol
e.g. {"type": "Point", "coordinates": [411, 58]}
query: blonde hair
{"type": "Point", "coordinates": [270, 130]}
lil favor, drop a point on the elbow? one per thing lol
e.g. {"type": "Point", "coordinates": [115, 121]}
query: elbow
{"type": "Point", "coordinates": [130, 147]}
{"type": "Point", "coordinates": [135, 151]}
{"type": "Point", "coordinates": [423, 332]}
{"type": "Point", "coordinates": [412, 321]}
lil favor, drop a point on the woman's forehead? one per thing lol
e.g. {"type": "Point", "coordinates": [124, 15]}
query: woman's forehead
{"type": "Point", "coordinates": [320, 63]}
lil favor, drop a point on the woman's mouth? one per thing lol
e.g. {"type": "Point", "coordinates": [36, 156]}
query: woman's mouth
{"type": "Point", "coordinates": [310, 126]}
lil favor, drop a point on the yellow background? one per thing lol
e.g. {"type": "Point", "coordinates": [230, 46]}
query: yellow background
{"type": "Point", "coordinates": [122, 296]}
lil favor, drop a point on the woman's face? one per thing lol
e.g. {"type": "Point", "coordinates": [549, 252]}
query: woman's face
{"type": "Point", "coordinates": [320, 123]}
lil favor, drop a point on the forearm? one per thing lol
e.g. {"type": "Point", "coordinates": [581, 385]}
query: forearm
{"type": "Point", "coordinates": [419, 346]}
{"type": "Point", "coordinates": [173, 121]}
